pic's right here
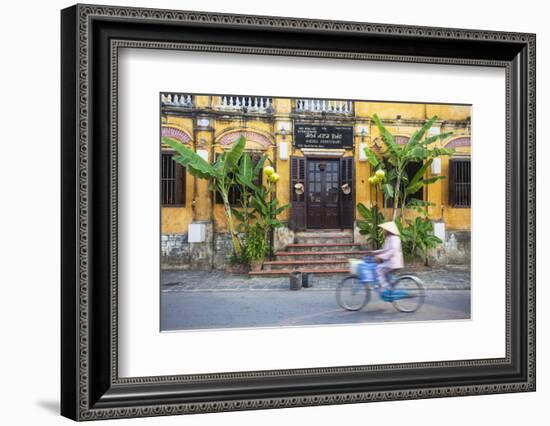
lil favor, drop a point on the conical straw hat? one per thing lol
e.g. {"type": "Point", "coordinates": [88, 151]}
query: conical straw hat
{"type": "Point", "coordinates": [390, 227]}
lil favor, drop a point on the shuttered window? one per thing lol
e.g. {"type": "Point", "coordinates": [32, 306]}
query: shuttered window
{"type": "Point", "coordinates": [460, 177]}
{"type": "Point", "coordinates": [172, 181]}
{"type": "Point", "coordinates": [347, 204]}
{"type": "Point", "coordinates": [298, 197]}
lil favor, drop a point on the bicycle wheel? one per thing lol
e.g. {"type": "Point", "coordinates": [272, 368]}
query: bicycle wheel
{"type": "Point", "coordinates": [351, 294]}
{"type": "Point", "coordinates": [408, 293]}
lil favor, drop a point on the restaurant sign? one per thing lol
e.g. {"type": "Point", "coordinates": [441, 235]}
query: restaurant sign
{"type": "Point", "coordinates": [319, 136]}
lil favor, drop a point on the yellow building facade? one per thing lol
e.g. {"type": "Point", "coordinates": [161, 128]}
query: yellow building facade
{"type": "Point", "coordinates": [316, 146]}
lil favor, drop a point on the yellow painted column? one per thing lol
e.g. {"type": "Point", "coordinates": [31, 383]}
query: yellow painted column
{"type": "Point", "coordinates": [434, 194]}
{"type": "Point", "coordinates": [362, 170]}
{"type": "Point", "coordinates": [284, 139]}
{"type": "Point", "coordinates": [202, 202]}
{"type": "Point", "coordinates": [204, 139]}
{"type": "Point", "coordinates": [435, 190]}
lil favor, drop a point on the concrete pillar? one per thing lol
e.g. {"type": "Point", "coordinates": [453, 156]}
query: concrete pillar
{"type": "Point", "coordinates": [282, 152]}
{"type": "Point", "coordinates": [283, 136]}
{"type": "Point", "coordinates": [434, 192]}
{"type": "Point", "coordinates": [202, 203]}
{"type": "Point", "coordinates": [202, 243]}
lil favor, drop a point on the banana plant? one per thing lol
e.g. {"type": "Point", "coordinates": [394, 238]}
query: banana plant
{"type": "Point", "coordinates": [267, 207]}
{"type": "Point", "coordinates": [220, 174]}
{"type": "Point", "coordinates": [369, 226]}
{"type": "Point", "coordinates": [416, 149]}
{"type": "Point", "coordinates": [246, 177]}
{"type": "Point", "coordinates": [413, 185]}
{"type": "Point", "coordinates": [418, 237]}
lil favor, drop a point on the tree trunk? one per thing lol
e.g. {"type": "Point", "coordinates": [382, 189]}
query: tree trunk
{"type": "Point", "coordinates": [396, 197]}
{"type": "Point", "coordinates": [375, 208]}
{"type": "Point", "coordinates": [231, 227]}
{"type": "Point", "coordinates": [403, 202]}
{"type": "Point", "coordinates": [270, 233]}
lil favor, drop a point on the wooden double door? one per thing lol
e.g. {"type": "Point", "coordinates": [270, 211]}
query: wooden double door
{"type": "Point", "coordinates": [327, 199]}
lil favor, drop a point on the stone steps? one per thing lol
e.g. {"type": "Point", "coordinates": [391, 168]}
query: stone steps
{"type": "Point", "coordinates": [315, 252]}
{"type": "Point", "coordinates": [323, 240]}
{"type": "Point", "coordinates": [285, 272]}
{"type": "Point", "coordinates": [320, 237]}
{"type": "Point", "coordinates": [297, 265]}
{"type": "Point", "coordinates": [311, 255]}
{"type": "Point", "coordinates": [323, 247]}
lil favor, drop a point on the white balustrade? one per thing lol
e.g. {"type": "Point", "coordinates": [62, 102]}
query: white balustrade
{"type": "Point", "coordinates": [327, 106]}
{"type": "Point", "coordinates": [261, 104]}
{"type": "Point", "coordinates": [177, 99]}
{"type": "Point", "coordinates": [244, 103]}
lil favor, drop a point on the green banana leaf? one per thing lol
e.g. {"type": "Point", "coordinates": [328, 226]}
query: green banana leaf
{"type": "Point", "coordinates": [387, 136]}
{"type": "Point", "coordinates": [432, 139]}
{"type": "Point", "coordinates": [413, 188]}
{"type": "Point", "coordinates": [194, 163]}
{"type": "Point", "coordinates": [371, 157]}
{"type": "Point", "coordinates": [260, 165]}
{"type": "Point", "coordinates": [419, 134]}
{"type": "Point", "coordinates": [231, 158]}
{"type": "Point", "coordinates": [420, 173]}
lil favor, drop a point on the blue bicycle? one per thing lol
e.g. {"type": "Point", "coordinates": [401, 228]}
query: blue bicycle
{"type": "Point", "coordinates": [407, 292]}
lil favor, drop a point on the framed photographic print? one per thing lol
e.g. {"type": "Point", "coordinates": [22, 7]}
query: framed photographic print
{"type": "Point", "coordinates": [263, 212]}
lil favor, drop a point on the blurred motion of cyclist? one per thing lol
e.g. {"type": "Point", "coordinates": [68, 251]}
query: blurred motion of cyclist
{"type": "Point", "coordinates": [390, 256]}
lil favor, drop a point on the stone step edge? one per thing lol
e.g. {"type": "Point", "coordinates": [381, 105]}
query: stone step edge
{"type": "Point", "coordinates": [349, 239]}
{"type": "Point", "coordinates": [320, 253]}
{"type": "Point", "coordinates": [303, 262]}
{"type": "Point", "coordinates": [323, 234]}
{"type": "Point", "coordinates": [327, 235]}
{"type": "Point", "coordinates": [310, 271]}
{"type": "Point", "coordinates": [298, 245]}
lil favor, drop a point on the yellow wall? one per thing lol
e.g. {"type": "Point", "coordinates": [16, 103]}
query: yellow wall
{"type": "Point", "coordinates": [176, 220]}
{"type": "Point", "coordinates": [454, 218]}
{"type": "Point", "coordinates": [400, 119]}
{"type": "Point", "coordinates": [386, 110]}
{"type": "Point", "coordinates": [449, 112]}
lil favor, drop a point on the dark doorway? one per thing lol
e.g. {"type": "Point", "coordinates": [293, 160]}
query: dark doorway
{"type": "Point", "coordinates": [323, 193]}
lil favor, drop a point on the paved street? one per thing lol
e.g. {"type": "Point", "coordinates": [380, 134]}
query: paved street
{"type": "Point", "coordinates": [264, 303]}
{"type": "Point", "coordinates": [448, 278]}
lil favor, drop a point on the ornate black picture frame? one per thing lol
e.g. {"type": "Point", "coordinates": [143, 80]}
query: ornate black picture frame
{"type": "Point", "coordinates": [91, 36]}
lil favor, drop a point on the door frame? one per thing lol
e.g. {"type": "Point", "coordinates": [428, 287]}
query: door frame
{"type": "Point", "coordinates": [317, 158]}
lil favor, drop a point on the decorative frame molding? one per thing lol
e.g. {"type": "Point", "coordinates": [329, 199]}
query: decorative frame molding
{"type": "Point", "coordinates": [91, 388]}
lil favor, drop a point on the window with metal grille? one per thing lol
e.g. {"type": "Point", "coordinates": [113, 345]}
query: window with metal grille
{"type": "Point", "coordinates": [460, 177]}
{"type": "Point", "coordinates": [234, 194]}
{"type": "Point", "coordinates": [172, 181]}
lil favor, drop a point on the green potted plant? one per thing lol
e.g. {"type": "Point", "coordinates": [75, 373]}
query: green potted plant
{"type": "Point", "coordinates": [256, 246]}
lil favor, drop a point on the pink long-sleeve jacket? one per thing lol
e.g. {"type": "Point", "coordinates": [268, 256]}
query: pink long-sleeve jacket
{"type": "Point", "coordinates": [392, 253]}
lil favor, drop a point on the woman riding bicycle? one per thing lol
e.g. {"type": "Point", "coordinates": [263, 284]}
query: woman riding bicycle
{"type": "Point", "coordinates": [390, 256]}
{"type": "Point", "coordinates": [405, 292]}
